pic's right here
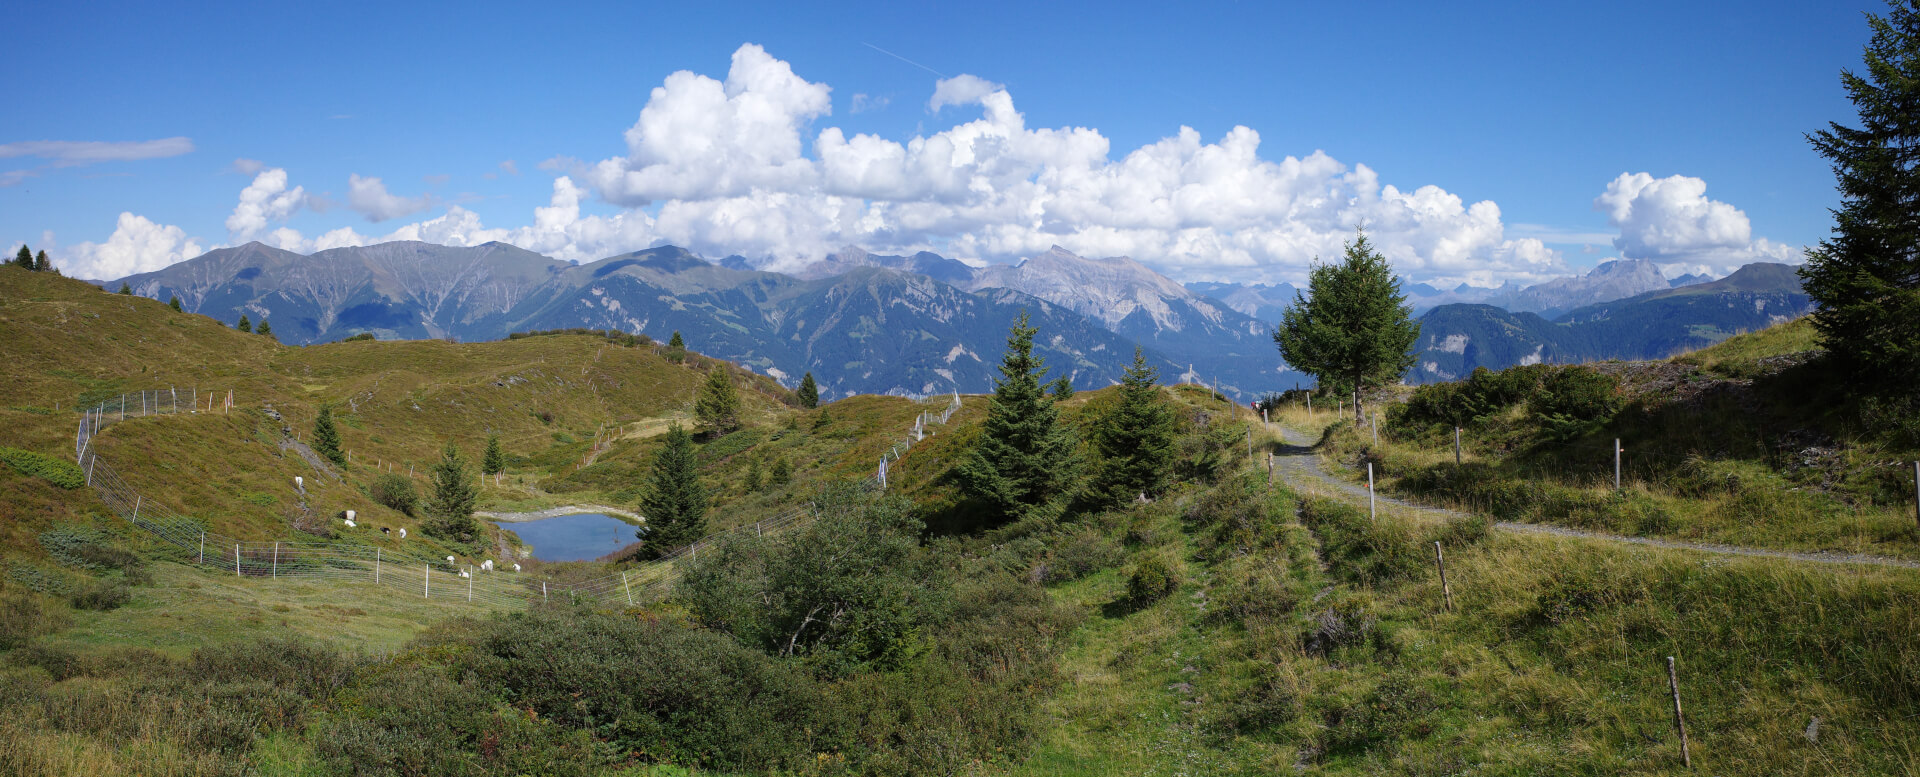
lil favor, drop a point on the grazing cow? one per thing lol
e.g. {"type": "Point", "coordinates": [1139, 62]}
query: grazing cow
{"type": "Point", "coordinates": [403, 533]}
{"type": "Point", "coordinates": [486, 566]}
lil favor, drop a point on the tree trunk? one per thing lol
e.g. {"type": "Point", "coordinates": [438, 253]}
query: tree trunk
{"type": "Point", "coordinates": [1359, 416]}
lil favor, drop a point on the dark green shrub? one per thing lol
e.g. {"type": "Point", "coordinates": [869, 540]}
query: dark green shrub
{"type": "Point", "coordinates": [311, 669]}
{"type": "Point", "coordinates": [1394, 711]}
{"type": "Point", "coordinates": [101, 595]}
{"type": "Point", "coordinates": [59, 472]}
{"type": "Point", "coordinates": [362, 337]}
{"type": "Point", "coordinates": [22, 619]}
{"type": "Point", "coordinates": [395, 491]}
{"type": "Point", "coordinates": [1152, 578]}
{"type": "Point", "coordinates": [1083, 553]}
{"type": "Point", "coordinates": [1364, 551]}
{"type": "Point", "coordinates": [1573, 401]}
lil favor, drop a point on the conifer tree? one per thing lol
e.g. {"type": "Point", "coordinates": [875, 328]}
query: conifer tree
{"type": "Point", "coordinates": [450, 504]}
{"type": "Point", "coordinates": [125, 288]}
{"type": "Point", "coordinates": [244, 325]}
{"type": "Point", "coordinates": [41, 263]}
{"type": "Point", "coordinates": [266, 328]}
{"type": "Point", "coordinates": [495, 462]}
{"type": "Point", "coordinates": [1024, 456]}
{"type": "Point", "coordinates": [24, 259]}
{"type": "Point", "coordinates": [782, 472]}
{"type": "Point", "coordinates": [174, 303]}
{"type": "Point", "coordinates": [1866, 277]}
{"type": "Point", "coordinates": [326, 438]}
{"type": "Point", "coordinates": [1352, 329]}
{"type": "Point", "coordinates": [718, 406]}
{"type": "Point", "coordinates": [676, 342]}
{"type": "Point", "coordinates": [1061, 388]}
{"type": "Point", "coordinates": [809, 391]}
{"type": "Point", "coordinates": [675, 504]}
{"type": "Point", "coordinates": [1135, 438]}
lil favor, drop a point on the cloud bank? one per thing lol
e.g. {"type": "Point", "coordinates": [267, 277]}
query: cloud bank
{"type": "Point", "coordinates": [751, 164]}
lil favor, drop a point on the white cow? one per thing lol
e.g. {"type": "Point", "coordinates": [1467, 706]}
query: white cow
{"type": "Point", "coordinates": [403, 533]}
{"type": "Point", "coordinates": [487, 565]}
{"type": "Point", "coordinates": [516, 567]}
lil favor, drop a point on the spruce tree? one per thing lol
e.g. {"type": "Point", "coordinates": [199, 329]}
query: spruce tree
{"type": "Point", "coordinates": [1024, 456]}
{"type": "Point", "coordinates": [1866, 277]}
{"type": "Point", "coordinates": [782, 472]}
{"type": "Point", "coordinates": [451, 502]}
{"type": "Point", "coordinates": [809, 392]}
{"type": "Point", "coordinates": [24, 259]}
{"type": "Point", "coordinates": [244, 325]}
{"type": "Point", "coordinates": [326, 439]}
{"type": "Point", "coordinates": [676, 341]}
{"type": "Point", "coordinates": [675, 504]}
{"type": "Point", "coordinates": [266, 328]}
{"type": "Point", "coordinates": [1134, 439]}
{"type": "Point", "coordinates": [125, 288]}
{"type": "Point", "coordinates": [495, 462]}
{"type": "Point", "coordinates": [1352, 329]}
{"type": "Point", "coordinates": [41, 263]}
{"type": "Point", "coordinates": [174, 303]}
{"type": "Point", "coordinates": [1061, 389]}
{"type": "Point", "coordinates": [676, 348]}
{"type": "Point", "coordinates": [718, 406]}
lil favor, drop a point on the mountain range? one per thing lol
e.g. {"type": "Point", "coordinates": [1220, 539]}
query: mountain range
{"type": "Point", "coordinates": [924, 323]}
{"type": "Point", "coordinates": [861, 323]}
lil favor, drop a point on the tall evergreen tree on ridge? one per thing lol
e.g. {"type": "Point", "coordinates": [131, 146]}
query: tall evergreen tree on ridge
{"type": "Point", "coordinates": [24, 259]}
{"type": "Point", "coordinates": [1024, 456]}
{"type": "Point", "coordinates": [451, 501]}
{"type": "Point", "coordinates": [809, 392]}
{"type": "Point", "coordinates": [1352, 329]}
{"type": "Point", "coordinates": [174, 303]}
{"type": "Point", "coordinates": [326, 438]}
{"type": "Point", "coordinates": [1866, 277]}
{"type": "Point", "coordinates": [41, 263]}
{"type": "Point", "coordinates": [676, 341]}
{"type": "Point", "coordinates": [718, 406]}
{"type": "Point", "coordinates": [495, 461]}
{"type": "Point", "coordinates": [125, 288]}
{"type": "Point", "coordinates": [675, 504]}
{"type": "Point", "coordinates": [244, 325]}
{"type": "Point", "coordinates": [1135, 438]}
{"type": "Point", "coordinates": [266, 328]}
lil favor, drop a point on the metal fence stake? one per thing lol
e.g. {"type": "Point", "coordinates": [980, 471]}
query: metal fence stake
{"type": "Point", "coordinates": [236, 559]}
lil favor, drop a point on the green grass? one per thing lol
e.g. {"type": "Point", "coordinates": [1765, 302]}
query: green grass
{"type": "Point", "coordinates": [1740, 356]}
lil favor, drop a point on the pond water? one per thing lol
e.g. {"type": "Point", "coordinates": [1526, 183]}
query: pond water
{"type": "Point", "coordinates": [578, 537]}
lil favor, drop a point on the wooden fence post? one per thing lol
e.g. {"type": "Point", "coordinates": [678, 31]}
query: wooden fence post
{"type": "Point", "coordinates": [1616, 464]}
{"type": "Point", "coordinates": [426, 583]}
{"type": "Point", "coordinates": [1440, 560]}
{"type": "Point", "coordinates": [1679, 721]}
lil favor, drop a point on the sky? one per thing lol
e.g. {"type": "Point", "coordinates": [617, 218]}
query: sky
{"type": "Point", "coordinates": [1474, 142]}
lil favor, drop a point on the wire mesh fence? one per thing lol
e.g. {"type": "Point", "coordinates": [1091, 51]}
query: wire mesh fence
{"type": "Point", "coordinates": [443, 579]}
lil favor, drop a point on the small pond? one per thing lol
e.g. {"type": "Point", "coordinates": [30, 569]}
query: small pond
{"type": "Point", "coordinates": [578, 537]}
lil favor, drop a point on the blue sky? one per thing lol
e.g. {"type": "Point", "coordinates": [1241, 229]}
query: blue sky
{"type": "Point", "coordinates": [1534, 108]}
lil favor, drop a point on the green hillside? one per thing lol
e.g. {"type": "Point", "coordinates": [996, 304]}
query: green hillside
{"type": "Point", "coordinates": [1232, 626]}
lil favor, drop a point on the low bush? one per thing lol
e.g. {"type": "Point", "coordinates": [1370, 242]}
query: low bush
{"type": "Point", "coordinates": [395, 491]}
{"type": "Point", "coordinates": [57, 471]}
{"type": "Point", "coordinates": [1573, 401]}
{"type": "Point", "coordinates": [1152, 578]}
{"type": "Point", "coordinates": [101, 595]}
{"type": "Point", "coordinates": [1083, 553]}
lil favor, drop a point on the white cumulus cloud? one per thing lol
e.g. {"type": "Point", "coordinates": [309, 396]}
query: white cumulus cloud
{"type": "Point", "coordinates": [369, 197]}
{"type": "Point", "coordinates": [137, 245]}
{"type": "Point", "coordinates": [265, 200]}
{"type": "Point", "coordinates": [1671, 221]}
{"type": "Point", "coordinates": [73, 153]}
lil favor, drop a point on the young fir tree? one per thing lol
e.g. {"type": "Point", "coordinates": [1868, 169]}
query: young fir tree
{"type": "Point", "coordinates": [1061, 388]}
{"type": "Point", "coordinates": [266, 328]}
{"type": "Point", "coordinates": [174, 303]}
{"type": "Point", "coordinates": [1135, 438]}
{"type": "Point", "coordinates": [450, 503]}
{"type": "Point", "coordinates": [495, 462]}
{"type": "Point", "coordinates": [1351, 329]}
{"type": "Point", "coordinates": [41, 263]}
{"type": "Point", "coordinates": [752, 483]}
{"type": "Point", "coordinates": [676, 342]}
{"type": "Point", "coordinates": [718, 406]}
{"type": "Point", "coordinates": [1024, 456]}
{"type": "Point", "coordinates": [809, 392]}
{"type": "Point", "coordinates": [326, 438]}
{"type": "Point", "coordinates": [675, 504]}
{"type": "Point", "coordinates": [244, 325]}
{"type": "Point", "coordinates": [125, 288]}
{"type": "Point", "coordinates": [782, 472]}
{"type": "Point", "coordinates": [1866, 277]}
{"type": "Point", "coordinates": [24, 259]}
{"type": "Point", "coordinates": [676, 348]}
{"type": "Point", "coordinates": [822, 420]}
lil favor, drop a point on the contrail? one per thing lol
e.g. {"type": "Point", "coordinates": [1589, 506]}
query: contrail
{"type": "Point", "coordinates": [904, 59]}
